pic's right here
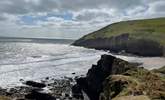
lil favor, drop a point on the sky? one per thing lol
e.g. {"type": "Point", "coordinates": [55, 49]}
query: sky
{"type": "Point", "coordinates": [70, 18]}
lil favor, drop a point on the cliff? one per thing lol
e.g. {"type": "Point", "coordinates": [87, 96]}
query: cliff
{"type": "Point", "coordinates": [113, 78]}
{"type": "Point", "coordinates": [141, 37]}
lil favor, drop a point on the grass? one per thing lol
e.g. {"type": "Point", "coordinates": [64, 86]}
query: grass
{"type": "Point", "coordinates": [142, 97]}
{"type": "Point", "coordinates": [151, 83]}
{"type": "Point", "coordinates": [134, 83]}
{"type": "Point", "coordinates": [131, 85]}
{"type": "Point", "coordinates": [153, 29]}
{"type": "Point", "coordinates": [5, 98]}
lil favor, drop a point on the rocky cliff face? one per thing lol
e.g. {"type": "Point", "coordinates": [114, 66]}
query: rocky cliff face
{"type": "Point", "coordinates": [112, 78]}
{"type": "Point", "coordinates": [107, 65]}
{"type": "Point", "coordinates": [120, 43]}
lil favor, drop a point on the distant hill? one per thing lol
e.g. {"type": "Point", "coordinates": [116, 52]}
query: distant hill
{"type": "Point", "coordinates": [142, 37]}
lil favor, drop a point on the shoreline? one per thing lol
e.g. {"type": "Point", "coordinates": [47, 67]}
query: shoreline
{"type": "Point", "coordinates": [62, 88]}
{"type": "Point", "coordinates": [149, 63]}
{"type": "Point", "coordinates": [146, 62]}
{"type": "Point", "coordinates": [47, 88]}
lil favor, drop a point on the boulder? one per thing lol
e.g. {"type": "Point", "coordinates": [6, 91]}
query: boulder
{"type": "Point", "coordinates": [35, 84]}
{"type": "Point", "coordinates": [35, 95]}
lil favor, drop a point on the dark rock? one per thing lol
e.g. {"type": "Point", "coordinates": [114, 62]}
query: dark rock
{"type": "Point", "coordinates": [3, 91]}
{"type": "Point", "coordinates": [66, 95]}
{"type": "Point", "coordinates": [35, 84]}
{"type": "Point", "coordinates": [92, 84]}
{"type": "Point", "coordinates": [70, 98]}
{"type": "Point", "coordinates": [77, 92]}
{"type": "Point", "coordinates": [73, 73]}
{"type": "Point", "coordinates": [21, 80]}
{"type": "Point", "coordinates": [123, 42]}
{"type": "Point", "coordinates": [47, 78]}
{"type": "Point", "coordinates": [12, 91]}
{"type": "Point", "coordinates": [36, 56]}
{"type": "Point", "coordinates": [34, 95]}
{"type": "Point", "coordinates": [18, 92]}
{"type": "Point", "coordinates": [58, 88]}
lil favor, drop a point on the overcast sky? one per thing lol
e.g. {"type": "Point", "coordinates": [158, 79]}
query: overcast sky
{"type": "Point", "coordinates": [70, 18]}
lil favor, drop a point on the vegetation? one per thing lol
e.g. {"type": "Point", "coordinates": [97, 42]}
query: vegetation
{"type": "Point", "coordinates": [5, 98]}
{"type": "Point", "coordinates": [135, 83]}
{"type": "Point", "coordinates": [142, 97]}
{"type": "Point", "coordinates": [153, 29]}
{"type": "Point", "coordinates": [160, 70]}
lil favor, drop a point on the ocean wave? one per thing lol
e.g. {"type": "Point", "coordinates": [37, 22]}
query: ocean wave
{"type": "Point", "coordinates": [31, 61]}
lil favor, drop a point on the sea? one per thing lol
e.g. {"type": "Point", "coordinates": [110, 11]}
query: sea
{"type": "Point", "coordinates": [36, 59]}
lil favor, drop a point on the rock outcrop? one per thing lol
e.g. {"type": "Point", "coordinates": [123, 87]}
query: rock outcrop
{"type": "Point", "coordinates": [35, 95]}
{"type": "Point", "coordinates": [107, 65]}
{"type": "Point", "coordinates": [35, 84]}
{"type": "Point", "coordinates": [114, 78]}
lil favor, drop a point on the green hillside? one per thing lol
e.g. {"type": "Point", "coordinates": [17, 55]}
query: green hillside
{"type": "Point", "coordinates": [153, 29]}
{"type": "Point", "coordinates": [141, 37]}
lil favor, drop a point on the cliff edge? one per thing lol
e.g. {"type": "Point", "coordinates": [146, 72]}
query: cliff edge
{"type": "Point", "coordinates": [141, 37]}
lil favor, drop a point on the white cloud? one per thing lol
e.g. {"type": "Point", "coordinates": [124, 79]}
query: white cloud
{"type": "Point", "coordinates": [70, 18]}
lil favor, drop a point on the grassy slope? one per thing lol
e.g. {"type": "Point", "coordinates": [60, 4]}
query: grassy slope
{"type": "Point", "coordinates": [133, 82]}
{"type": "Point", "coordinates": [153, 29]}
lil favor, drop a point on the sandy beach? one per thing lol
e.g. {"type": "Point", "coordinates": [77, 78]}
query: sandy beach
{"type": "Point", "coordinates": [147, 62]}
